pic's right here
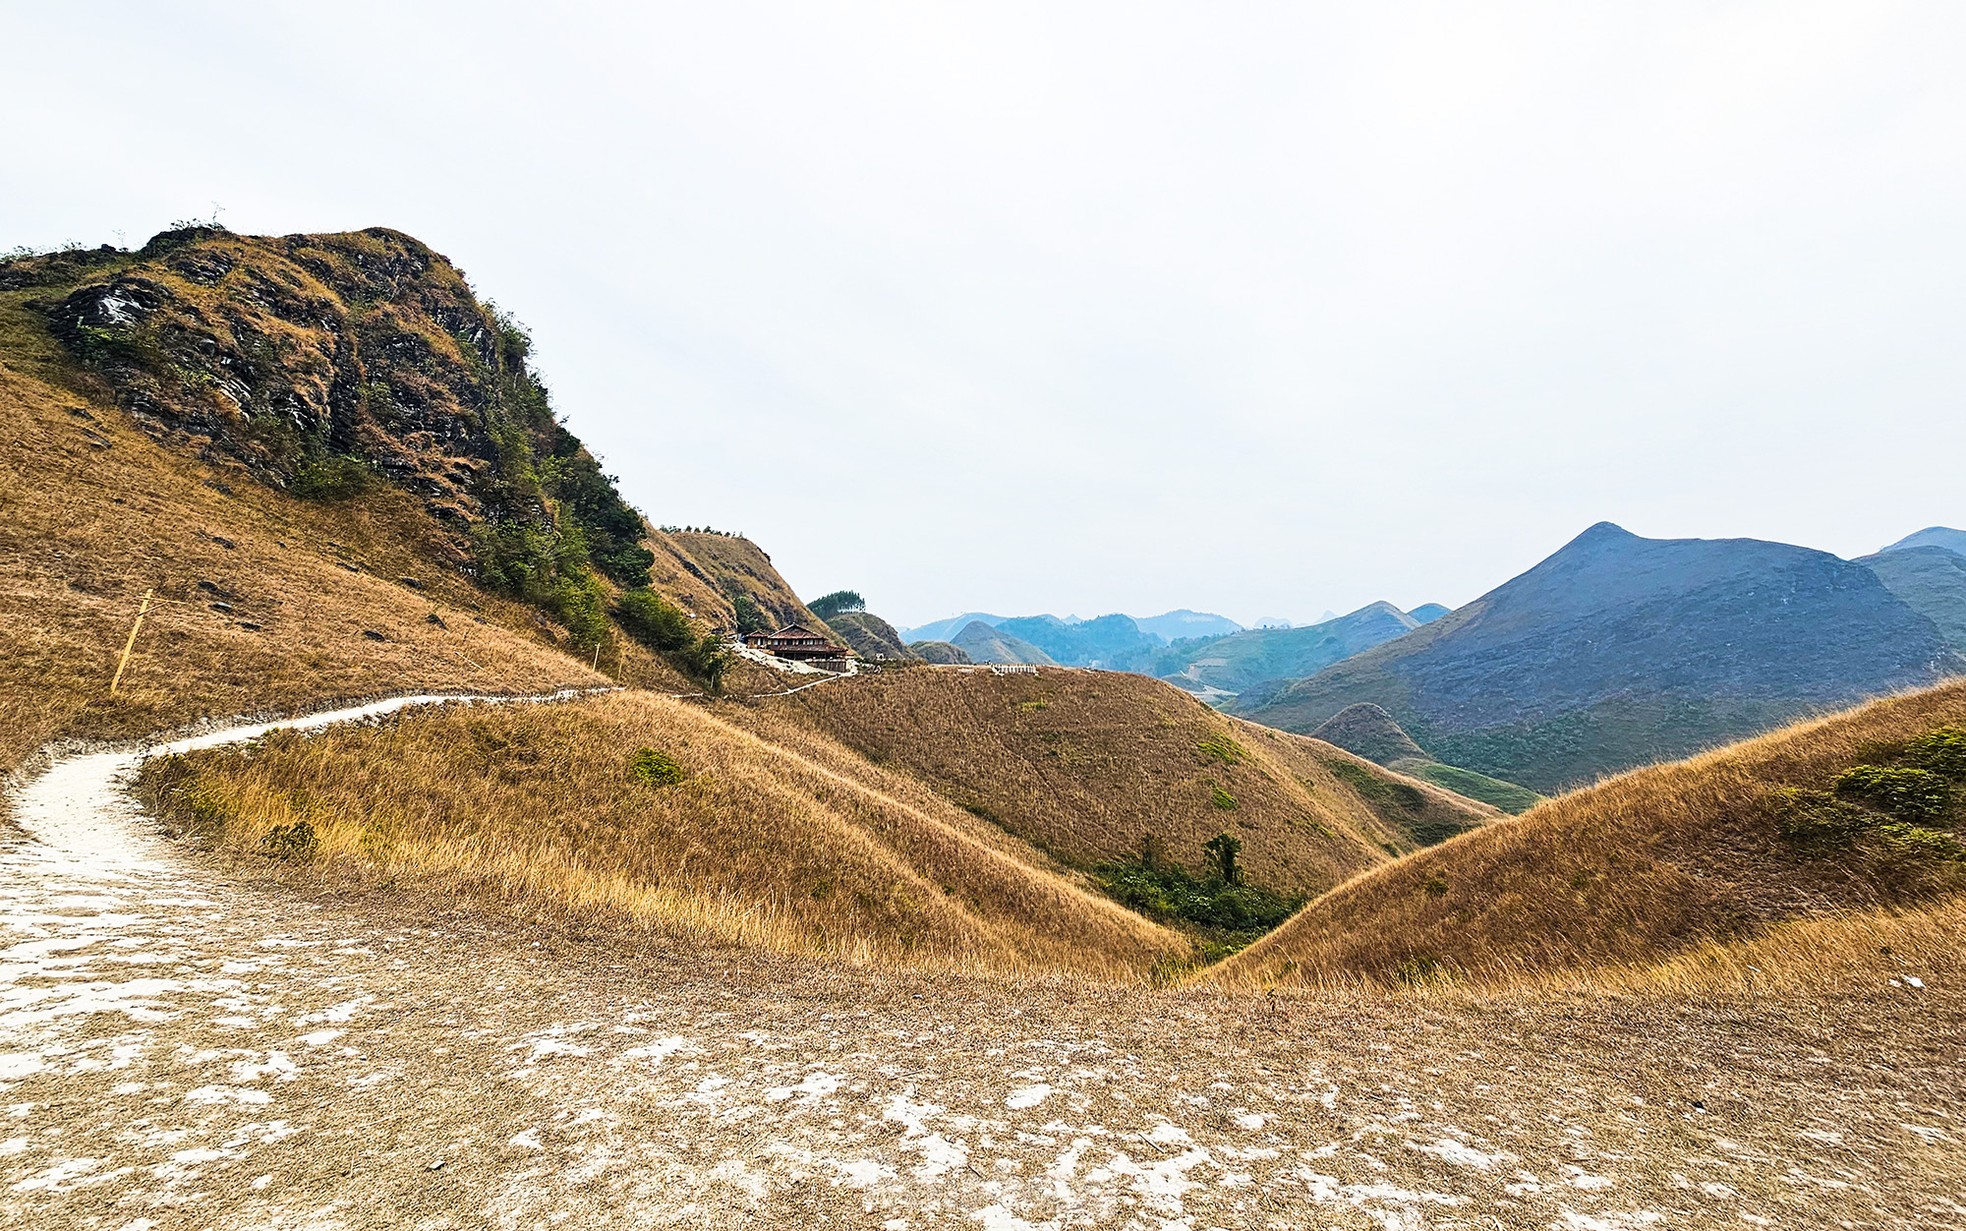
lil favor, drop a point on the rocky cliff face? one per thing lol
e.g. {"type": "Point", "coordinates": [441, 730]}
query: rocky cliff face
{"type": "Point", "coordinates": [321, 361]}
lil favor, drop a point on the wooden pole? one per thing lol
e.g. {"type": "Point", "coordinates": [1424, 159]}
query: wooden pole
{"type": "Point", "coordinates": [117, 680]}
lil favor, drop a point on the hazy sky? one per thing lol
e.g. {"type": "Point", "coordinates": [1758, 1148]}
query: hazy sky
{"type": "Point", "coordinates": [1084, 308]}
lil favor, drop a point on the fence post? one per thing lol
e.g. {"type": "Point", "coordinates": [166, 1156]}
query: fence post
{"type": "Point", "coordinates": [143, 608]}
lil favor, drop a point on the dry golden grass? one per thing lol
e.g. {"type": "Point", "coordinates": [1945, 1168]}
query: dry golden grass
{"type": "Point", "coordinates": [93, 513]}
{"type": "Point", "coordinates": [796, 845]}
{"type": "Point", "coordinates": [1088, 765]}
{"type": "Point", "coordinates": [1674, 874]}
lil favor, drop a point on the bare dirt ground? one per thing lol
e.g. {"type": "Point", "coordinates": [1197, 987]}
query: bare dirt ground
{"type": "Point", "coordinates": [183, 1048]}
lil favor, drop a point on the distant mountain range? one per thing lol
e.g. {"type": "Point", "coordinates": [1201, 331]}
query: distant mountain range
{"type": "Point", "coordinates": [1210, 655]}
{"type": "Point", "coordinates": [1168, 627]}
{"type": "Point", "coordinates": [1620, 650]}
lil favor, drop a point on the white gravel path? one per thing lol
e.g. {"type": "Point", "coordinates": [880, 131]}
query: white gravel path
{"type": "Point", "coordinates": [178, 1049]}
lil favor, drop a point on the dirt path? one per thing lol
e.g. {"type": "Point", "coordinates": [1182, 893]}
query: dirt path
{"type": "Point", "coordinates": [181, 1050]}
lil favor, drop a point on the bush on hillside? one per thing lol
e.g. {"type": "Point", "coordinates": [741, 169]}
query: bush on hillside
{"type": "Point", "coordinates": [1914, 796]}
{"type": "Point", "coordinates": [295, 843]}
{"type": "Point", "coordinates": [1940, 752]}
{"type": "Point", "coordinates": [335, 477]}
{"type": "Point", "coordinates": [655, 768]}
{"type": "Point", "coordinates": [654, 621]}
{"type": "Point", "coordinates": [751, 618]}
{"type": "Point", "coordinates": [1170, 893]}
{"type": "Point", "coordinates": [1223, 849]}
{"type": "Point", "coordinates": [661, 626]}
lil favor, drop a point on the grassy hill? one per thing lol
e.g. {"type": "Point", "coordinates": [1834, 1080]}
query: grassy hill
{"type": "Point", "coordinates": [1095, 767]}
{"type": "Point", "coordinates": [1240, 661]}
{"type": "Point", "coordinates": [737, 570]}
{"type": "Point", "coordinates": [263, 598]}
{"type": "Point", "coordinates": [984, 644]}
{"type": "Point", "coordinates": [1370, 732]}
{"type": "Point", "coordinates": [1717, 849]}
{"type": "Point", "coordinates": [1618, 651]}
{"type": "Point", "coordinates": [644, 812]}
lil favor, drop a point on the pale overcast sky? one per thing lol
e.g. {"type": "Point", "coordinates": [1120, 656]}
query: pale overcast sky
{"type": "Point", "coordinates": [1081, 308]}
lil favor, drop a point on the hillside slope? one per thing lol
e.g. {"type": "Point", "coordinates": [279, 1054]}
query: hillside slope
{"type": "Point", "coordinates": [355, 369]}
{"type": "Point", "coordinates": [264, 601]}
{"type": "Point", "coordinates": [1370, 732]}
{"type": "Point", "coordinates": [640, 810]}
{"type": "Point", "coordinates": [1235, 663]}
{"type": "Point", "coordinates": [1632, 870]}
{"type": "Point", "coordinates": [1929, 580]}
{"type": "Point", "coordinates": [1618, 650]}
{"type": "Point", "coordinates": [871, 637]}
{"type": "Point", "coordinates": [1091, 767]}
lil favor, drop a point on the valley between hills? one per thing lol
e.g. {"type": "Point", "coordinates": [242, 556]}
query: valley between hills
{"type": "Point", "coordinates": [1627, 895]}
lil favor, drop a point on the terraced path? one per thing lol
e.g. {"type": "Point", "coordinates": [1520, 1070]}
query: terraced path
{"type": "Point", "coordinates": [183, 1049]}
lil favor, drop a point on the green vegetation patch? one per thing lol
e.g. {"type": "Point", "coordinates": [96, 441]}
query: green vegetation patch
{"type": "Point", "coordinates": [295, 843]}
{"type": "Point", "coordinates": [1895, 817]}
{"type": "Point", "coordinates": [1940, 752]}
{"type": "Point", "coordinates": [1235, 915]}
{"type": "Point", "coordinates": [1221, 748]}
{"type": "Point", "coordinates": [1915, 796]}
{"type": "Point", "coordinates": [1385, 792]}
{"type": "Point", "coordinates": [661, 626]}
{"type": "Point", "coordinates": [655, 768]}
{"type": "Point", "coordinates": [1221, 798]}
{"type": "Point", "coordinates": [334, 477]}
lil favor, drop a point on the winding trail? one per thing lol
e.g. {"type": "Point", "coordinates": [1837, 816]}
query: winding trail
{"type": "Point", "coordinates": [180, 1049]}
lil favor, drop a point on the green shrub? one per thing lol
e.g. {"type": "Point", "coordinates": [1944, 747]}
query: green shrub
{"type": "Point", "coordinates": [1222, 748]}
{"type": "Point", "coordinates": [1940, 752]}
{"type": "Point", "coordinates": [579, 604]}
{"type": "Point", "coordinates": [655, 768]}
{"type": "Point", "coordinates": [1238, 913]}
{"type": "Point", "coordinates": [1897, 842]}
{"type": "Point", "coordinates": [654, 621]}
{"type": "Point", "coordinates": [335, 477]}
{"type": "Point", "coordinates": [1915, 796]}
{"type": "Point", "coordinates": [1221, 798]}
{"type": "Point", "coordinates": [751, 618]}
{"type": "Point", "coordinates": [1819, 820]}
{"type": "Point", "coordinates": [1223, 849]}
{"type": "Point", "coordinates": [706, 659]}
{"type": "Point", "coordinates": [295, 843]}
